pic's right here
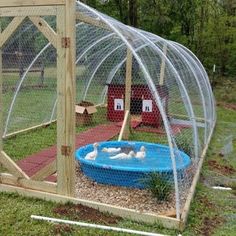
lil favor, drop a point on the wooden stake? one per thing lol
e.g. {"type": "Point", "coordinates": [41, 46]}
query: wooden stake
{"type": "Point", "coordinates": [163, 65]}
{"type": "Point", "coordinates": [128, 82]}
{"type": "Point", "coordinates": [123, 126]}
{"type": "Point", "coordinates": [66, 98]}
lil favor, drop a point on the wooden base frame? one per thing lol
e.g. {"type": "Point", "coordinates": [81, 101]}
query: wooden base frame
{"type": "Point", "coordinates": [10, 135]}
{"type": "Point", "coordinates": [165, 221]}
{"type": "Point", "coordinates": [185, 212]}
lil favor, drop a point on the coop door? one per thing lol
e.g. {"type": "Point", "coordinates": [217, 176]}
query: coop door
{"type": "Point", "coordinates": [118, 104]}
{"type": "Point", "coordinates": [147, 105]}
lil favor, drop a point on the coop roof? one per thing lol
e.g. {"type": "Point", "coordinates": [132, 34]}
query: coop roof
{"type": "Point", "coordinates": [101, 56]}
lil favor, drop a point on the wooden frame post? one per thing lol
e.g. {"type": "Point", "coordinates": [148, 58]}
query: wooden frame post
{"type": "Point", "coordinates": [163, 65]}
{"type": "Point", "coordinates": [66, 98]}
{"type": "Point", "coordinates": [128, 83]}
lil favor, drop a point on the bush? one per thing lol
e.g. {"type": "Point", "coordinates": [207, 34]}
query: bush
{"type": "Point", "coordinates": [159, 186]}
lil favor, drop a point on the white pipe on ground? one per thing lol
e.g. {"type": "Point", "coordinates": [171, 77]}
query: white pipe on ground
{"type": "Point", "coordinates": [104, 227]}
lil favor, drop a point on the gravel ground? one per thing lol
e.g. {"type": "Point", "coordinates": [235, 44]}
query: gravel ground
{"type": "Point", "coordinates": [135, 199]}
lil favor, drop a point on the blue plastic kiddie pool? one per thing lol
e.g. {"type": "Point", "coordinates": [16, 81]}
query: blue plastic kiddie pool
{"type": "Point", "coordinates": [130, 172]}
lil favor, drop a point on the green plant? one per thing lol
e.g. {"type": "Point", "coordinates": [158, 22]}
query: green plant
{"type": "Point", "coordinates": [183, 143]}
{"type": "Point", "coordinates": [158, 185]}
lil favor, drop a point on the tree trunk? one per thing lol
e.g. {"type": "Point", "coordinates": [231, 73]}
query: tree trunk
{"type": "Point", "coordinates": [133, 13]}
{"type": "Point", "coordinates": [122, 8]}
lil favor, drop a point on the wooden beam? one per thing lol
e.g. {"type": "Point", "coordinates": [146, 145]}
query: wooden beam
{"type": "Point", "coordinates": [138, 216]}
{"type": "Point", "coordinates": [91, 21]}
{"type": "Point", "coordinates": [66, 99]}
{"type": "Point", "coordinates": [46, 29]}
{"type": "Point", "coordinates": [187, 117]}
{"type": "Point", "coordinates": [10, 29]}
{"type": "Point", "coordinates": [185, 212]}
{"type": "Point", "coordinates": [11, 166]}
{"type": "Point", "coordinates": [123, 125]}
{"type": "Point", "coordinates": [45, 172]}
{"type": "Point", "coordinates": [163, 65]}
{"type": "Point", "coordinates": [29, 184]}
{"type": "Point", "coordinates": [28, 129]}
{"type": "Point", "coordinates": [29, 11]}
{"type": "Point", "coordinates": [101, 105]}
{"type": "Point", "coordinates": [18, 3]}
{"type": "Point", "coordinates": [128, 83]}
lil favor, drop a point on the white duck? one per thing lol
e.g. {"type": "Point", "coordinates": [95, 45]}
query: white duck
{"type": "Point", "coordinates": [92, 155]}
{"type": "Point", "coordinates": [141, 154]}
{"type": "Point", "coordinates": [111, 150]}
{"type": "Point", "coordinates": [123, 155]}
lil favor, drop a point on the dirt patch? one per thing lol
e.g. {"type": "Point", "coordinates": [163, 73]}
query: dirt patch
{"type": "Point", "coordinates": [80, 212]}
{"type": "Point", "coordinates": [209, 224]}
{"type": "Point", "coordinates": [223, 169]}
{"type": "Point", "coordinates": [229, 106]}
{"type": "Point", "coordinates": [206, 203]}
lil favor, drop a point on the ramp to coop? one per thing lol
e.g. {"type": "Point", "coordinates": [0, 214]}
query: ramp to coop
{"type": "Point", "coordinates": [36, 162]}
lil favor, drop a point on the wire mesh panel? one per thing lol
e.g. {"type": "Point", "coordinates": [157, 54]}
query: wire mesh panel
{"type": "Point", "coordinates": [166, 92]}
{"type": "Point", "coordinates": [29, 78]}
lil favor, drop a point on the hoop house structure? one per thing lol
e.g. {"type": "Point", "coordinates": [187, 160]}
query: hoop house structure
{"type": "Point", "coordinates": [131, 84]}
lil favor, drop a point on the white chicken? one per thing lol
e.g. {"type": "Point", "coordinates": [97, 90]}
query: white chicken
{"type": "Point", "coordinates": [141, 154]}
{"type": "Point", "coordinates": [123, 156]}
{"type": "Point", "coordinates": [92, 155]}
{"type": "Point", "coordinates": [111, 150]}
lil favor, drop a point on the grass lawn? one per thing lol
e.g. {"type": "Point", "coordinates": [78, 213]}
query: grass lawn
{"type": "Point", "coordinates": [213, 212]}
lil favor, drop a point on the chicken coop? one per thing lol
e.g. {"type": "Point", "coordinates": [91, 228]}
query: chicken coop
{"type": "Point", "coordinates": [141, 154]}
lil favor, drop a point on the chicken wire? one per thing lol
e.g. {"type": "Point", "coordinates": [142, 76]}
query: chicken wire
{"type": "Point", "coordinates": [171, 99]}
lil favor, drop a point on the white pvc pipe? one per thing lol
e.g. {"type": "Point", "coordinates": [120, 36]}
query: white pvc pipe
{"type": "Point", "coordinates": [98, 66]}
{"type": "Point", "coordinates": [221, 188]}
{"type": "Point", "coordinates": [207, 82]}
{"type": "Point", "coordinates": [92, 45]}
{"type": "Point", "coordinates": [103, 227]}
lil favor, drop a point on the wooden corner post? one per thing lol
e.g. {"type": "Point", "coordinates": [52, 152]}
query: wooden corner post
{"type": "Point", "coordinates": [163, 65]}
{"type": "Point", "coordinates": [66, 98]}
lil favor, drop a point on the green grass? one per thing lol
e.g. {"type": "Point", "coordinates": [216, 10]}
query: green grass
{"type": "Point", "coordinates": [208, 206]}
{"type": "Point", "coordinates": [34, 104]}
